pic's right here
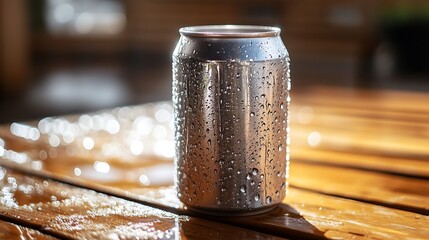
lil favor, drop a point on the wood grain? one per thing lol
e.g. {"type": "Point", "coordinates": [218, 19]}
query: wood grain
{"type": "Point", "coordinates": [366, 178]}
{"type": "Point", "coordinates": [305, 214]}
{"type": "Point", "coordinates": [12, 231]}
{"type": "Point", "coordinates": [72, 213]}
{"type": "Point", "coordinates": [377, 188]}
{"type": "Point", "coordinates": [368, 162]}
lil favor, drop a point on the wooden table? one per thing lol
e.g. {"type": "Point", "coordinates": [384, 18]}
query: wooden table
{"type": "Point", "coordinates": [359, 170]}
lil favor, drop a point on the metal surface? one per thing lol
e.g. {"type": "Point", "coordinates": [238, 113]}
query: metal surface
{"type": "Point", "coordinates": [228, 31]}
{"type": "Point", "coordinates": [231, 98]}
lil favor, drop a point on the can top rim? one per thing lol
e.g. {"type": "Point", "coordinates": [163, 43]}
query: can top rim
{"type": "Point", "coordinates": [230, 31]}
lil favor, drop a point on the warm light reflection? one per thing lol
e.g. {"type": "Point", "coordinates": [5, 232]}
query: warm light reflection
{"type": "Point", "coordinates": [164, 113]}
{"type": "Point", "coordinates": [2, 173]}
{"type": "Point", "coordinates": [165, 148]}
{"type": "Point", "coordinates": [88, 143]}
{"type": "Point", "coordinates": [43, 154]}
{"type": "Point", "coordinates": [98, 122]}
{"type": "Point", "coordinates": [25, 131]}
{"type": "Point", "coordinates": [160, 132]}
{"type": "Point", "coordinates": [13, 156]}
{"type": "Point", "coordinates": [54, 141]}
{"type": "Point", "coordinates": [77, 171]}
{"type": "Point", "coordinates": [112, 126]}
{"type": "Point", "coordinates": [144, 180]}
{"type": "Point", "coordinates": [102, 167]}
{"type": "Point", "coordinates": [68, 137]}
{"type": "Point", "coordinates": [53, 153]}
{"type": "Point", "coordinates": [85, 122]}
{"type": "Point", "coordinates": [45, 125]}
{"type": "Point", "coordinates": [127, 133]}
{"type": "Point", "coordinates": [160, 174]}
{"type": "Point", "coordinates": [314, 138]}
{"type": "Point", "coordinates": [147, 130]}
{"type": "Point", "coordinates": [109, 150]}
{"type": "Point", "coordinates": [143, 125]}
{"type": "Point", "coordinates": [37, 165]}
{"type": "Point", "coordinates": [305, 115]}
{"type": "Point", "coordinates": [136, 147]}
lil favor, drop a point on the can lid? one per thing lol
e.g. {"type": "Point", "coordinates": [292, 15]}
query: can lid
{"type": "Point", "coordinates": [230, 31]}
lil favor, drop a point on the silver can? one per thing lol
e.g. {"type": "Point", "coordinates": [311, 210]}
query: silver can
{"type": "Point", "coordinates": [231, 98]}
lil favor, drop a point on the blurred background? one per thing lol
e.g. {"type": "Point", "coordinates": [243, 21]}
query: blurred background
{"type": "Point", "coordinates": [72, 56]}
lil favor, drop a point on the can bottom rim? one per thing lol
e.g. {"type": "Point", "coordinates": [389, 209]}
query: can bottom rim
{"type": "Point", "coordinates": [214, 212]}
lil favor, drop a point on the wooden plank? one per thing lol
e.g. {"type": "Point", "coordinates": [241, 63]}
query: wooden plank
{"type": "Point", "coordinates": [12, 231]}
{"type": "Point", "coordinates": [384, 131]}
{"type": "Point", "coordinates": [383, 179]}
{"type": "Point", "coordinates": [303, 214]}
{"type": "Point", "coordinates": [359, 113]}
{"type": "Point", "coordinates": [334, 139]}
{"type": "Point", "coordinates": [377, 188]}
{"type": "Point", "coordinates": [165, 198]}
{"type": "Point", "coordinates": [73, 213]}
{"type": "Point", "coordinates": [391, 151]}
{"type": "Point", "coordinates": [365, 221]}
{"type": "Point", "coordinates": [404, 167]}
{"type": "Point", "coordinates": [368, 186]}
{"type": "Point", "coordinates": [366, 99]}
{"type": "Point", "coordinates": [129, 169]}
{"type": "Point", "coordinates": [360, 185]}
{"type": "Point", "coordinates": [127, 176]}
{"type": "Point", "coordinates": [366, 122]}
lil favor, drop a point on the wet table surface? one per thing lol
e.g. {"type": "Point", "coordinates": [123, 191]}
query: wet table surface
{"type": "Point", "coordinates": [359, 170]}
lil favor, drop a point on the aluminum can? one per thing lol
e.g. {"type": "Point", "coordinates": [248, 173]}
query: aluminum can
{"type": "Point", "coordinates": [231, 98]}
